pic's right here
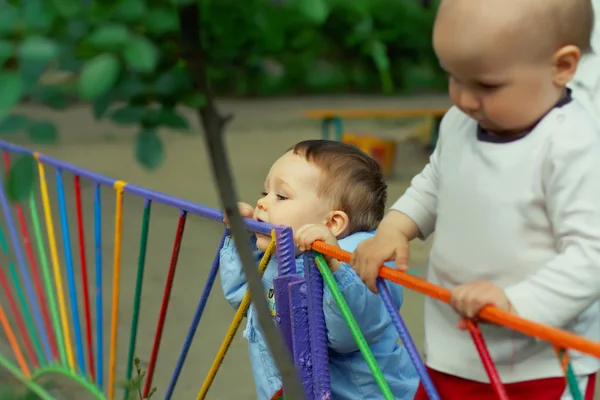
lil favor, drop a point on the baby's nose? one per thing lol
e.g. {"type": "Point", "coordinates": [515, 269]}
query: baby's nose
{"type": "Point", "coordinates": [262, 203]}
{"type": "Point", "coordinates": [468, 101]}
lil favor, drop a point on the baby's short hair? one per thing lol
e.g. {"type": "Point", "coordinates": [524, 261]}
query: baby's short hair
{"type": "Point", "coordinates": [573, 22]}
{"type": "Point", "coordinates": [351, 179]}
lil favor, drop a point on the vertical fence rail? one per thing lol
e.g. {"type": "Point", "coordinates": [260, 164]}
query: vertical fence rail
{"type": "Point", "coordinates": [84, 276]}
{"type": "Point", "coordinates": [212, 276]}
{"type": "Point", "coordinates": [114, 325]}
{"type": "Point", "coordinates": [318, 330]}
{"type": "Point", "coordinates": [99, 308]}
{"type": "Point", "coordinates": [50, 294]}
{"type": "Point", "coordinates": [25, 334]}
{"type": "Point", "coordinates": [138, 292]}
{"type": "Point", "coordinates": [165, 301]}
{"type": "Point", "coordinates": [55, 264]}
{"type": "Point", "coordinates": [64, 221]}
{"type": "Point", "coordinates": [33, 265]}
{"type": "Point", "coordinates": [46, 355]}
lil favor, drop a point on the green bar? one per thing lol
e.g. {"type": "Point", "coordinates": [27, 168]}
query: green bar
{"type": "Point", "coordinates": [35, 219]}
{"type": "Point", "coordinates": [89, 386]}
{"type": "Point", "coordinates": [138, 293]}
{"type": "Point", "coordinates": [28, 383]}
{"type": "Point", "coordinates": [339, 129]}
{"type": "Point", "coordinates": [24, 309]}
{"type": "Point", "coordinates": [571, 378]}
{"type": "Point", "coordinates": [354, 329]}
{"type": "Point", "coordinates": [26, 313]}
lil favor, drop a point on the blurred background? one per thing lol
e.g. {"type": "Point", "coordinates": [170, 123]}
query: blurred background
{"type": "Point", "coordinates": [112, 86]}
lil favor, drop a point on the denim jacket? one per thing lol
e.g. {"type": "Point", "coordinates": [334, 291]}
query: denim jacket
{"type": "Point", "coordinates": [350, 376]}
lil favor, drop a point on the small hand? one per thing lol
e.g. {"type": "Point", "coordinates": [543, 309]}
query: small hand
{"type": "Point", "coordinates": [307, 234]}
{"type": "Point", "coordinates": [370, 255]}
{"type": "Point", "coordinates": [470, 298]}
{"type": "Point", "coordinates": [245, 209]}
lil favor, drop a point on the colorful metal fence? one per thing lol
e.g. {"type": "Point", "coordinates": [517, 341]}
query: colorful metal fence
{"type": "Point", "coordinates": [47, 336]}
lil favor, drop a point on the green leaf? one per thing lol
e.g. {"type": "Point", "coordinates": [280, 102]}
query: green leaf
{"type": "Point", "coordinates": [110, 36]}
{"type": "Point", "coordinates": [149, 151]}
{"type": "Point", "coordinates": [194, 100]}
{"type": "Point", "coordinates": [161, 20]}
{"type": "Point", "coordinates": [101, 105]}
{"type": "Point", "coordinates": [6, 51]}
{"type": "Point", "coordinates": [173, 82]}
{"type": "Point", "coordinates": [379, 54]}
{"type": "Point", "coordinates": [38, 48]}
{"type": "Point", "coordinates": [9, 18]}
{"type": "Point", "coordinates": [68, 8]}
{"type": "Point", "coordinates": [11, 91]}
{"type": "Point", "coordinates": [13, 123]}
{"type": "Point", "coordinates": [128, 115]}
{"type": "Point", "coordinates": [171, 119]}
{"type": "Point", "coordinates": [43, 132]}
{"type": "Point", "coordinates": [51, 96]}
{"type": "Point", "coordinates": [38, 15]}
{"type": "Point", "coordinates": [30, 72]}
{"type": "Point", "coordinates": [98, 76]}
{"type": "Point", "coordinates": [141, 55]}
{"type": "Point", "coordinates": [21, 178]}
{"type": "Point", "coordinates": [131, 10]}
{"type": "Point", "coordinates": [316, 11]}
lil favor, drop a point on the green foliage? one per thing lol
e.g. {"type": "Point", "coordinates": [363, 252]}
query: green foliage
{"type": "Point", "coordinates": [128, 60]}
{"type": "Point", "coordinates": [135, 386]}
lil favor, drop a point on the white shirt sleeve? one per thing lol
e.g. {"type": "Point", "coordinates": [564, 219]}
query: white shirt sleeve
{"type": "Point", "coordinates": [570, 282]}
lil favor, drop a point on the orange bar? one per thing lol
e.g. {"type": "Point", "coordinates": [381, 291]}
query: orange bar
{"type": "Point", "coordinates": [557, 337]}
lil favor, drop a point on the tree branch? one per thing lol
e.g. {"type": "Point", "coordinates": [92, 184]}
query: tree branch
{"type": "Point", "coordinates": [214, 129]}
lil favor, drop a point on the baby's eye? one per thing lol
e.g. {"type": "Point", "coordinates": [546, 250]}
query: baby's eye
{"type": "Point", "coordinates": [263, 194]}
{"type": "Point", "coordinates": [489, 86]}
{"type": "Point", "coordinates": [279, 197]}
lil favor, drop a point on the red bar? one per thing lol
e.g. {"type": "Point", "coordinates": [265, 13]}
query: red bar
{"type": "Point", "coordinates": [34, 269]}
{"type": "Point", "coordinates": [165, 302]}
{"type": "Point", "coordinates": [84, 276]}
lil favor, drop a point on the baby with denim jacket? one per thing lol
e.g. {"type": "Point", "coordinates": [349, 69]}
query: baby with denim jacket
{"type": "Point", "coordinates": [333, 192]}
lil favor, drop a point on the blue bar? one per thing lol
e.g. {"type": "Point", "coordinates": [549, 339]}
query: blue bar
{"type": "Point", "coordinates": [196, 320]}
{"type": "Point", "coordinates": [70, 274]}
{"type": "Point", "coordinates": [406, 339]}
{"type": "Point", "coordinates": [99, 318]}
{"type": "Point", "coordinates": [22, 266]}
{"type": "Point", "coordinates": [157, 197]}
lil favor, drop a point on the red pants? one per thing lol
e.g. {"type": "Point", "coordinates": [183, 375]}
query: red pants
{"type": "Point", "coordinates": [452, 387]}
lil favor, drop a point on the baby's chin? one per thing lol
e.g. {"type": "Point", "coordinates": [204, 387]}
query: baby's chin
{"type": "Point", "coordinates": [262, 242]}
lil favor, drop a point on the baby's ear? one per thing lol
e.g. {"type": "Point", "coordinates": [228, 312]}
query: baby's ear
{"type": "Point", "coordinates": [338, 222]}
{"type": "Point", "coordinates": [566, 59]}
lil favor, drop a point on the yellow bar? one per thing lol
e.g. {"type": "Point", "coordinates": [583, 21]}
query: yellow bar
{"type": "Point", "coordinates": [55, 264]}
{"type": "Point", "coordinates": [235, 324]}
{"type": "Point", "coordinates": [119, 185]}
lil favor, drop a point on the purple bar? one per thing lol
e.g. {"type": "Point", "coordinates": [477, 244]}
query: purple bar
{"type": "Point", "coordinates": [282, 294]}
{"type": "Point", "coordinates": [318, 330]}
{"type": "Point", "coordinates": [286, 251]}
{"type": "Point", "coordinates": [184, 205]}
{"type": "Point", "coordinates": [298, 304]}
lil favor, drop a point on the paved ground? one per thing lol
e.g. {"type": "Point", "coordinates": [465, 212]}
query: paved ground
{"type": "Point", "coordinates": [261, 131]}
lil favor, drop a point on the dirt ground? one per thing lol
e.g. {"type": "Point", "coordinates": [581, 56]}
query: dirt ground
{"type": "Point", "coordinates": [261, 131]}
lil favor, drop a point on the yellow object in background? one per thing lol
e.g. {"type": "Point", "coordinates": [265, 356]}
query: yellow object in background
{"type": "Point", "coordinates": [382, 150]}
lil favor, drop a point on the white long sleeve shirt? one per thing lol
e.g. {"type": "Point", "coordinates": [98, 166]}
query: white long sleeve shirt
{"type": "Point", "coordinates": [523, 213]}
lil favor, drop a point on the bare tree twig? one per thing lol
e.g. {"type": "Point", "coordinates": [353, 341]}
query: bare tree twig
{"type": "Point", "coordinates": [214, 129]}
